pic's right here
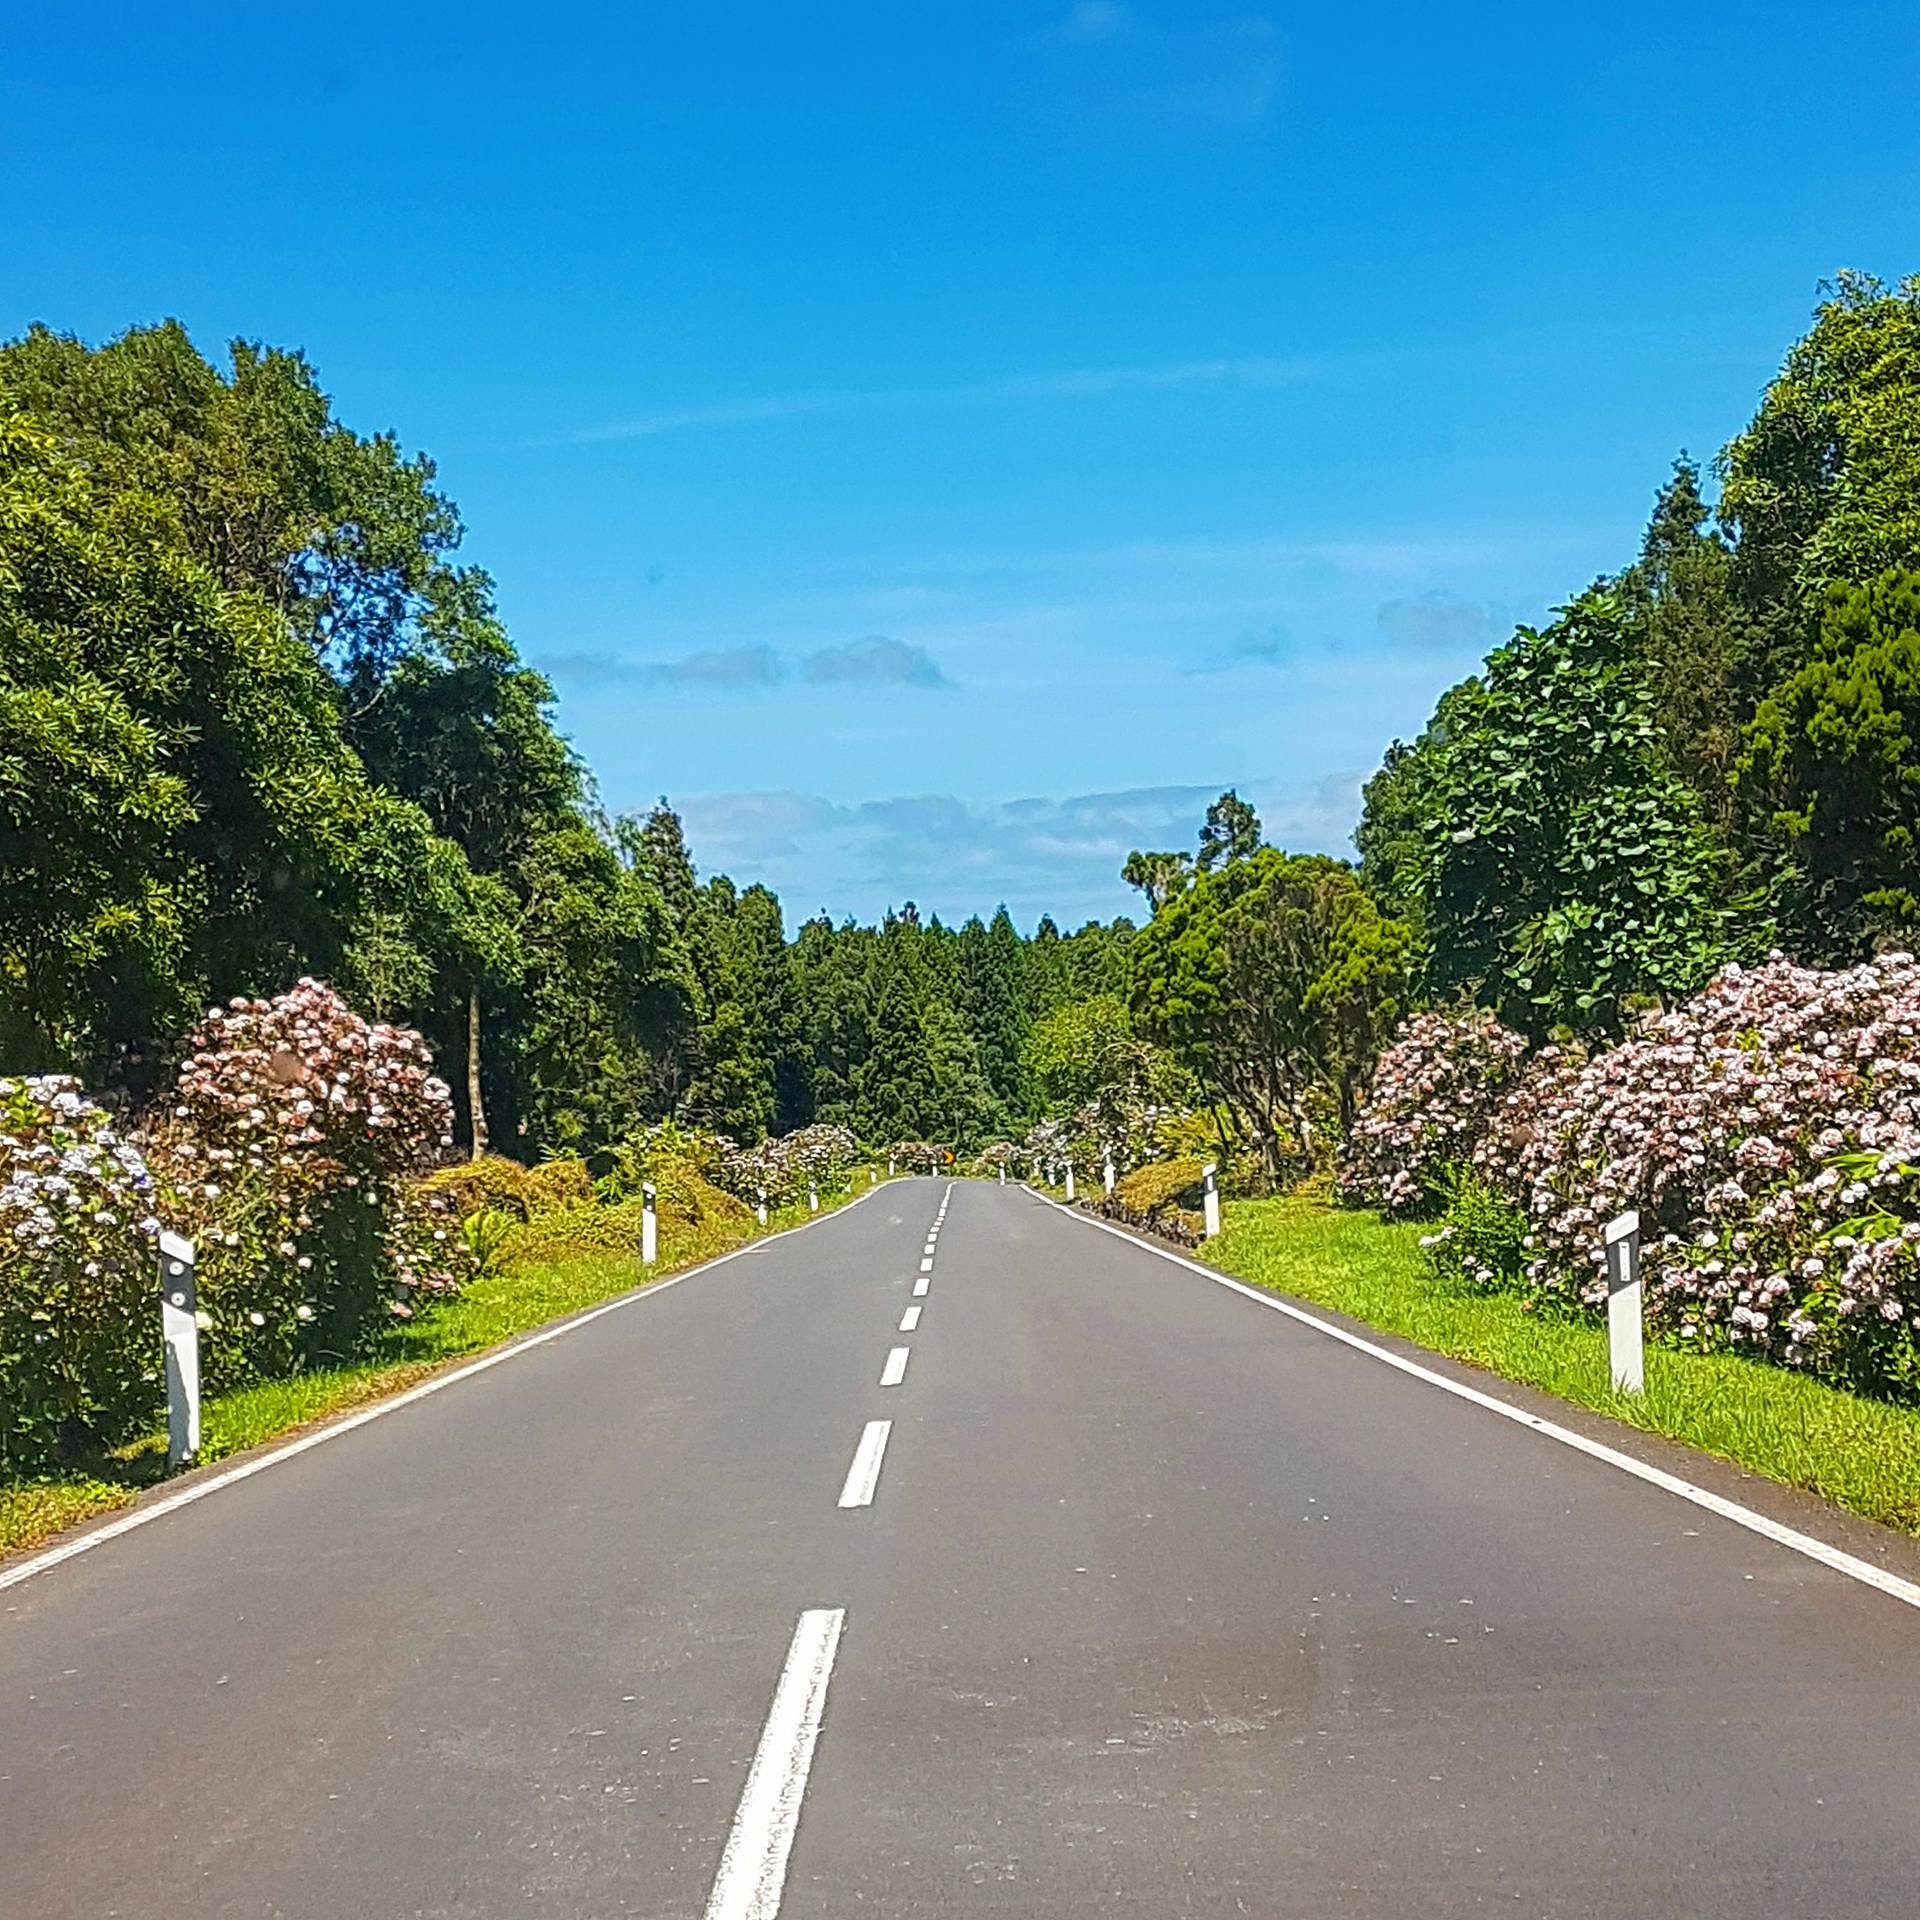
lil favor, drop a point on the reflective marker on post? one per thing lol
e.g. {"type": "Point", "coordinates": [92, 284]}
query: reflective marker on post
{"type": "Point", "coordinates": [180, 1333]}
{"type": "Point", "coordinates": [1626, 1346]}
{"type": "Point", "coordinates": [649, 1226]}
{"type": "Point", "coordinates": [1211, 1201]}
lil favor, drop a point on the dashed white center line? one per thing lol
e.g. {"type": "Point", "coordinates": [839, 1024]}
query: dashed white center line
{"type": "Point", "coordinates": [753, 1868]}
{"type": "Point", "coordinates": [926, 1265]}
{"type": "Point", "coordinates": [920, 1286]}
{"type": "Point", "coordinates": [896, 1368]}
{"type": "Point", "coordinates": [864, 1475]}
{"type": "Point", "coordinates": [910, 1319]}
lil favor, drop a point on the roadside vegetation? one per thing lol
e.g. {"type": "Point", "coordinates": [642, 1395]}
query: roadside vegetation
{"type": "Point", "coordinates": [317, 945]}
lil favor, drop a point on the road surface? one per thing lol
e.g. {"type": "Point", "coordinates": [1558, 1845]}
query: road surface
{"type": "Point", "coordinates": [1146, 1600]}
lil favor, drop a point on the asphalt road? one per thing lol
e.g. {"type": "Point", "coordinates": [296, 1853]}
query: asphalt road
{"type": "Point", "coordinates": [1161, 1604]}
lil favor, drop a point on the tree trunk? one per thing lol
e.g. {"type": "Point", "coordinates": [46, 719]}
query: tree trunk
{"type": "Point", "coordinates": [476, 1104]}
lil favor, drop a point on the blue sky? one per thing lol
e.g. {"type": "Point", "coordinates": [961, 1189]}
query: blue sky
{"type": "Point", "coordinates": [940, 446]}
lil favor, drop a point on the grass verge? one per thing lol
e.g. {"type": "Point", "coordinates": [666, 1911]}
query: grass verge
{"type": "Point", "coordinates": [499, 1307]}
{"type": "Point", "coordinates": [1861, 1454]}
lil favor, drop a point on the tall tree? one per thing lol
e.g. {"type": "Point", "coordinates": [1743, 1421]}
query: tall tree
{"type": "Point", "coordinates": [179, 813]}
{"type": "Point", "coordinates": [1824, 485]}
{"type": "Point", "coordinates": [1273, 980]}
{"type": "Point", "coordinates": [1567, 870]}
{"type": "Point", "coordinates": [1696, 641]}
{"type": "Point", "coordinates": [991, 1003]}
{"type": "Point", "coordinates": [894, 1079]}
{"type": "Point", "coordinates": [1231, 832]}
{"type": "Point", "coordinates": [1835, 761]}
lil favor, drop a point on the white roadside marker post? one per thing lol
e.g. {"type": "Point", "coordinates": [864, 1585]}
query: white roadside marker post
{"type": "Point", "coordinates": [873, 1176]}
{"type": "Point", "coordinates": [649, 1226]}
{"type": "Point", "coordinates": [1108, 1171]}
{"type": "Point", "coordinates": [180, 1333]}
{"type": "Point", "coordinates": [813, 1197]}
{"type": "Point", "coordinates": [763, 1206]}
{"type": "Point", "coordinates": [1626, 1339]}
{"type": "Point", "coordinates": [889, 1166]}
{"type": "Point", "coordinates": [1069, 1183]}
{"type": "Point", "coordinates": [1211, 1201]}
{"type": "Point", "coordinates": [1003, 1173]}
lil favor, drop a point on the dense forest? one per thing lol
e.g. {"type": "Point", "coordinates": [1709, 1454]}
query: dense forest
{"type": "Point", "coordinates": [258, 722]}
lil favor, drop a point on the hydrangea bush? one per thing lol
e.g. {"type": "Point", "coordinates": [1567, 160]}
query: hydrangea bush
{"type": "Point", "coordinates": [291, 1153]}
{"type": "Point", "coordinates": [917, 1156]}
{"type": "Point", "coordinates": [1767, 1131]}
{"type": "Point", "coordinates": [294, 1154]}
{"type": "Point", "coordinates": [79, 1287]}
{"type": "Point", "coordinates": [1434, 1091]}
{"type": "Point", "coordinates": [783, 1165]}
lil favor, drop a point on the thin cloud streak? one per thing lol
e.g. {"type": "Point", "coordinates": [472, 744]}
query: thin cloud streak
{"type": "Point", "coordinates": [876, 661]}
{"type": "Point", "coordinates": [1082, 383]}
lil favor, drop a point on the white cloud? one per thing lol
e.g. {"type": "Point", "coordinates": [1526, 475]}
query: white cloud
{"type": "Point", "coordinates": [1040, 854]}
{"type": "Point", "coordinates": [875, 661]}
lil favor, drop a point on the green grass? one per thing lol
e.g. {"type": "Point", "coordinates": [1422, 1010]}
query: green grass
{"type": "Point", "coordinates": [1861, 1454]}
{"type": "Point", "coordinates": [502, 1305]}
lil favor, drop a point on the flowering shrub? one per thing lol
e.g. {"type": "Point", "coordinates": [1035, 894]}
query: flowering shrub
{"type": "Point", "coordinates": [782, 1165]}
{"type": "Point", "coordinates": [79, 1287]}
{"type": "Point", "coordinates": [917, 1156]}
{"type": "Point", "coordinates": [1434, 1091]}
{"type": "Point", "coordinates": [1767, 1131]}
{"type": "Point", "coordinates": [292, 1156]}
{"type": "Point", "coordinates": [1050, 1146]}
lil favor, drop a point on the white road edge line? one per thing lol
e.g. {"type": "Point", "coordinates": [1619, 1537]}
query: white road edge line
{"type": "Point", "coordinates": [753, 1866]}
{"type": "Point", "coordinates": [1835, 1558]}
{"type": "Point", "coordinates": [910, 1320]}
{"type": "Point", "coordinates": [172, 1503]}
{"type": "Point", "coordinates": [920, 1286]}
{"type": "Point", "coordinates": [896, 1368]}
{"type": "Point", "coordinates": [864, 1475]}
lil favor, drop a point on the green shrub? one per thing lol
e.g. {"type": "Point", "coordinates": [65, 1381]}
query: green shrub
{"type": "Point", "coordinates": [556, 1183]}
{"type": "Point", "coordinates": [1481, 1242]}
{"type": "Point", "coordinates": [1162, 1184]}
{"type": "Point", "coordinates": [496, 1183]}
{"type": "Point", "coordinates": [694, 1216]}
{"type": "Point", "coordinates": [565, 1233]}
{"type": "Point", "coordinates": [486, 1234]}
